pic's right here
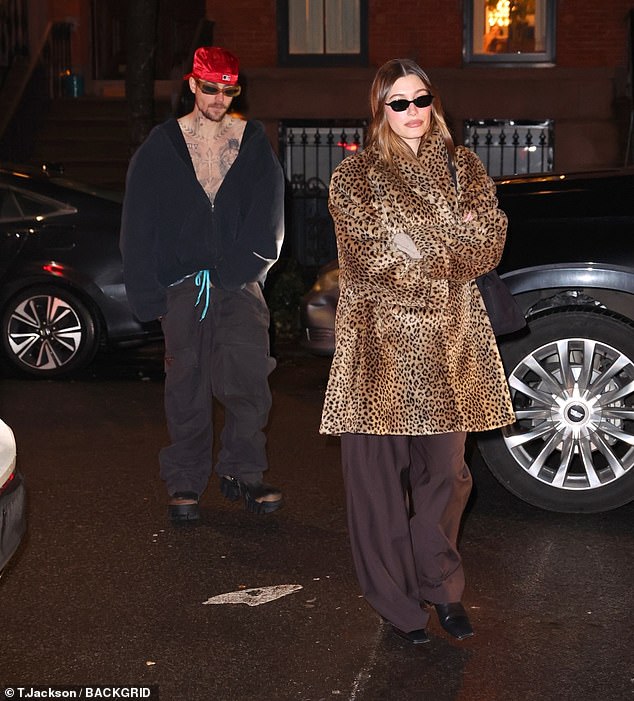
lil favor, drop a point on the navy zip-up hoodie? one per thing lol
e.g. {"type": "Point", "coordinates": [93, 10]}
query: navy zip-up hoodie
{"type": "Point", "coordinates": [170, 229]}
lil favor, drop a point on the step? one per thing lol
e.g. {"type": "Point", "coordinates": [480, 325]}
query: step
{"type": "Point", "coordinates": [89, 137]}
{"type": "Point", "coordinates": [88, 108]}
{"type": "Point", "coordinates": [80, 152]}
{"type": "Point", "coordinates": [55, 129]}
{"type": "Point", "coordinates": [107, 175]}
{"type": "Point", "coordinates": [99, 109]}
{"type": "Point", "coordinates": [93, 144]}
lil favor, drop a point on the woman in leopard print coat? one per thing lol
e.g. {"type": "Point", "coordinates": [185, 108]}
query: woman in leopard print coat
{"type": "Point", "coordinates": [416, 364]}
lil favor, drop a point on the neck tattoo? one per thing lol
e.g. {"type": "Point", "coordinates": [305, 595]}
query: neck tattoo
{"type": "Point", "coordinates": [227, 123]}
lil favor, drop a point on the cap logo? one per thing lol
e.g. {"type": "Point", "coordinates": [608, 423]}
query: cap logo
{"type": "Point", "coordinates": [213, 64]}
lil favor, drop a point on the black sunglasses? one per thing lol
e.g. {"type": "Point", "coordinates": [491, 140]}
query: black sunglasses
{"type": "Point", "coordinates": [420, 102]}
{"type": "Point", "coordinates": [211, 89]}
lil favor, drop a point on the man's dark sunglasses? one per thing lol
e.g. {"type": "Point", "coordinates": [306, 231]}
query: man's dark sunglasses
{"type": "Point", "coordinates": [420, 102]}
{"type": "Point", "coordinates": [211, 89]}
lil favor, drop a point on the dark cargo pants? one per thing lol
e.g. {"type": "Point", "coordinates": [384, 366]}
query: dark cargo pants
{"type": "Point", "coordinates": [226, 356]}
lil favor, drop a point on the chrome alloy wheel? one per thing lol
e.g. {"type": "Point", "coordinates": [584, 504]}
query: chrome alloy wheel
{"type": "Point", "coordinates": [48, 331]}
{"type": "Point", "coordinates": [574, 403]}
{"type": "Point", "coordinates": [45, 332]}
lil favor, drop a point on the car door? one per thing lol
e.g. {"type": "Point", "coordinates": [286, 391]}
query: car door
{"type": "Point", "coordinates": [24, 218]}
{"type": "Point", "coordinates": [14, 231]}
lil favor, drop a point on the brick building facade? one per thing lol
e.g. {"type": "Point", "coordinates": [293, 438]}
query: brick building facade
{"type": "Point", "coordinates": [584, 90]}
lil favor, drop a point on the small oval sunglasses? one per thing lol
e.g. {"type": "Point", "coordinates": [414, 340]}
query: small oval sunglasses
{"type": "Point", "coordinates": [212, 89]}
{"type": "Point", "coordinates": [420, 102]}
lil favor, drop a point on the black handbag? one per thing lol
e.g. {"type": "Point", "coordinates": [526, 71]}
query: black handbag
{"type": "Point", "coordinates": [505, 313]}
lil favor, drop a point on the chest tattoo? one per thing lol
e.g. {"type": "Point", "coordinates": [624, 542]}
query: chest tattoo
{"type": "Point", "coordinates": [212, 158]}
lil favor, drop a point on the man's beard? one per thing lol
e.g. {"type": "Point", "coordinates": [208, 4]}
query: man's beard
{"type": "Point", "coordinates": [214, 114]}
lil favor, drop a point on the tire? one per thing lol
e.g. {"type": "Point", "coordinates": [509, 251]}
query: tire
{"type": "Point", "coordinates": [48, 332]}
{"type": "Point", "coordinates": [572, 383]}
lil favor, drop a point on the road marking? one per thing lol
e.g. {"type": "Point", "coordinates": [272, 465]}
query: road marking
{"type": "Point", "coordinates": [255, 597]}
{"type": "Point", "coordinates": [364, 675]}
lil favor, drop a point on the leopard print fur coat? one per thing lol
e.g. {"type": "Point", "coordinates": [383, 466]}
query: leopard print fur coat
{"type": "Point", "coordinates": [415, 353]}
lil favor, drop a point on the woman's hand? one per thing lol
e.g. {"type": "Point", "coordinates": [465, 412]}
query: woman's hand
{"type": "Point", "coordinates": [405, 244]}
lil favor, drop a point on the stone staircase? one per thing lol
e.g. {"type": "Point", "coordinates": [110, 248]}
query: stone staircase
{"type": "Point", "coordinates": [89, 137]}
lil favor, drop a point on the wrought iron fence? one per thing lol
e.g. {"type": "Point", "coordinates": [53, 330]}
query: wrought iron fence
{"type": "Point", "coordinates": [310, 151]}
{"type": "Point", "coordinates": [512, 147]}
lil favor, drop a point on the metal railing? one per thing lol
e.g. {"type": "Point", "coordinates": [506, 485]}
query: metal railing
{"type": "Point", "coordinates": [310, 151]}
{"type": "Point", "coordinates": [512, 147]}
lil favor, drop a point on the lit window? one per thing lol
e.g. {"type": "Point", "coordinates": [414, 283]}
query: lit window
{"type": "Point", "coordinates": [510, 31]}
{"type": "Point", "coordinates": [322, 32]}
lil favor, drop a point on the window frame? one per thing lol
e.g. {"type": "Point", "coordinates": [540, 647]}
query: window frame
{"type": "Point", "coordinates": [535, 58]}
{"type": "Point", "coordinates": [320, 60]}
{"type": "Point", "coordinates": [51, 207]}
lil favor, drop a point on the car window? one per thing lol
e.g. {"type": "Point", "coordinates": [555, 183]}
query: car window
{"type": "Point", "coordinates": [8, 205]}
{"type": "Point", "coordinates": [17, 204]}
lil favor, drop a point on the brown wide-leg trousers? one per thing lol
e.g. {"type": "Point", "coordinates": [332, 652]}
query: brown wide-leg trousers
{"type": "Point", "coordinates": [405, 499]}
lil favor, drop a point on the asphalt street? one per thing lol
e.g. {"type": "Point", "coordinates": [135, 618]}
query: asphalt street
{"type": "Point", "coordinates": [104, 591]}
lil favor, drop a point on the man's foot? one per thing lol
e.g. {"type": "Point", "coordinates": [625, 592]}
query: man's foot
{"type": "Point", "coordinates": [183, 506]}
{"type": "Point", "coordinates": [259, 497]}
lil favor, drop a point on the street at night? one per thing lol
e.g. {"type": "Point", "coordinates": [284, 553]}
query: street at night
{"type": "Point", "coordinates": [104, 591]}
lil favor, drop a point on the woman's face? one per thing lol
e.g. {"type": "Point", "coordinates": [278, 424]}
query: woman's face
{"type": "Point", "coordinates": [412, 124]}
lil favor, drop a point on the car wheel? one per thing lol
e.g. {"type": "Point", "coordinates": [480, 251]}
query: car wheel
{"type": "Point", "coordinates": [48, 332]}
{"type": "Point", "coordinates": [572, 384]}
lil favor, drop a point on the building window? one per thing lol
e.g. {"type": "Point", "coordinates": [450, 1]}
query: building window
{"type": "Point", "coordinates": [512, 147]}
{"type": "Point", "coordinates": [510, 31]}
{"type": "Point", "coordinates": [322, 32]}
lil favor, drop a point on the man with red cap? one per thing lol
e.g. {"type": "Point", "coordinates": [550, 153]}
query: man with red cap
{"type": "Point", "coordinates": [203, 221]}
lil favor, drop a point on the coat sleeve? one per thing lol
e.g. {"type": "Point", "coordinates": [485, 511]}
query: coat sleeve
{"type": "Point", "coordinates": [476, 246]}
{"type": "Point", "coordinates": [365, 243]}
{"type": "Point", "coordinates": [252, 241]}
{"type": "Point", "coordinates": [138, 239]}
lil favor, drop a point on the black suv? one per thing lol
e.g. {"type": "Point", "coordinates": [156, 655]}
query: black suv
{"type": "Point", "coordinates": [569, 261]}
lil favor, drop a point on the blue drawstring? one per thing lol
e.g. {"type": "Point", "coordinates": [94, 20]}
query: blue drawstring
{"type": "Point", "coordinates": [204, 284]}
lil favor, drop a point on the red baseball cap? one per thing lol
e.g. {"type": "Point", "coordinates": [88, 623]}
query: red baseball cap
{"type": "Point", "coordinates": [215, 65]}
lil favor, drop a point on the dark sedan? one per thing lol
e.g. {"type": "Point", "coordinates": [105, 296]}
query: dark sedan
{"type": "Point", "coordinates": [569, 261]}
{"type": "Point", "coordinates": [62, 296]}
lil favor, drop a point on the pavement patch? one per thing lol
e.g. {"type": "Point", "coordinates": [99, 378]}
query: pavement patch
{"type": "Point", "coordinates": [256, 596]}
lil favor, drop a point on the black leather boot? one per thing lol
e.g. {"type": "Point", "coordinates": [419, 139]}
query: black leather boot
{"type": "Point", "coordinates": [453, 618]}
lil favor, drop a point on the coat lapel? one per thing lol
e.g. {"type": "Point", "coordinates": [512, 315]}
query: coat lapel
{"type": "Point", "coordinates": [416, 194]}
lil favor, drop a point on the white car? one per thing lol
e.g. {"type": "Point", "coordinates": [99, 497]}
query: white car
{"type": "Point", "coordinates": [12, 497]}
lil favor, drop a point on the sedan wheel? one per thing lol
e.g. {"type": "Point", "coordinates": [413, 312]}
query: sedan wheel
{"type": "Point", "coordinates": [48, 332]}
{"type": "Point", "coordinates": [572, 384]}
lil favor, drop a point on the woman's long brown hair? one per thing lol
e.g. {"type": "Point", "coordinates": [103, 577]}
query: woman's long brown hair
{"type": "Point", "coordinates": [380, 134]}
